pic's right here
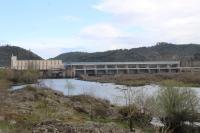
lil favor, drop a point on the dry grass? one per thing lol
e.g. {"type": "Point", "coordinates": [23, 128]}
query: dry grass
{"type": "Point", "coordinates": [191, 79]}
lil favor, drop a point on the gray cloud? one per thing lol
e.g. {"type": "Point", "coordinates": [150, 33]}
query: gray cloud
{"type": "Point", "coordinates": [165, 20]}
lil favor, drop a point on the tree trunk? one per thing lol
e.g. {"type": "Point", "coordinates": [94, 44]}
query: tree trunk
{"type": "Point", "coordinates": [131, 124]}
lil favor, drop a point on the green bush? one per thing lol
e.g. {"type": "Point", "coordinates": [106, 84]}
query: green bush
{"type": "Point", "coordinates": [176, 105]}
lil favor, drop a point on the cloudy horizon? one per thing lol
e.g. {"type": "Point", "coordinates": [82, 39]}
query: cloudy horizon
{"type": "Point", "coordinates": [50, 27]}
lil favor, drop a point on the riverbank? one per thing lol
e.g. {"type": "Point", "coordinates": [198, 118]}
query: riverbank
{"type": "Point", "coordinates": [39, 110]}
{"type": "Point", "coordinates": [186, 79]}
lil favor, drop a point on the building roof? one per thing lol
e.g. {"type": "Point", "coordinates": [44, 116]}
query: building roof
{"type": "Point", "coordinates": [120, 63]}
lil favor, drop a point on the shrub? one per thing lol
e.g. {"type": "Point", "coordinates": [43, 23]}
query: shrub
{"type": "Point", "coordinates": [26, 76]}
{"type": "Point", "coordinates": [176, 105]}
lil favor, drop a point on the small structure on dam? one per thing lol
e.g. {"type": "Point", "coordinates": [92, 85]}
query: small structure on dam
{"type": "Point", "coordinates": [77, 69]}
{"type": "Point", "coordinates": [47, 68]}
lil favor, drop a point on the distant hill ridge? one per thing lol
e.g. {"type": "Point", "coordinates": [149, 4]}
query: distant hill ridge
{"type": "Point", "coordinates": [160, 52]}
{"type": "Point", "coordinates": [7, 51]}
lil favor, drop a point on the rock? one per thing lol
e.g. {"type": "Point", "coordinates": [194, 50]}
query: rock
{"type": "Point", "coordinates": [98, 107]}
{"type": "Point", "coordinates": [12, 122]}
{"type": "Point", "coordinates": [24, 108]}
{"type": "Point", "coordinates": [2, 118]}
{"type": "Point", "coordinates": [27, 96]}
{"type": "Point", "coordinates": [64, 100]}
{"type": "Point", "coordinates": [58, 93]}
{"type": "Point", "coordinates": [90, 127]}
{"type": "Point", "coordinates": [78, 106]}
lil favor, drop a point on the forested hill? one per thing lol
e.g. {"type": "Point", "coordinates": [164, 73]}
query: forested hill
{"type": "Point", "coordinates": [7, 51]}
{"type": "Point", "coordinates": [161, 51]}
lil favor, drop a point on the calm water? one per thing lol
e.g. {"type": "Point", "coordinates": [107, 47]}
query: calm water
{"type": "Point", "coordinates": [113, 93]}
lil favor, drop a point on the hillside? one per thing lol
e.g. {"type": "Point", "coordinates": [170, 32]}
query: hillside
{"type": "Point", "coordinates": [161, 51]}
{"type": "Point", "coordinates": [7, 51]}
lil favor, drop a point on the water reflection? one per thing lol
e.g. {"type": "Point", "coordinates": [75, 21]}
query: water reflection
{"type": "Point", "coordinates": [112, 92]}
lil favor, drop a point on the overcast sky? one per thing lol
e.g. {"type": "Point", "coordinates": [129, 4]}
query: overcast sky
{"type": "Point", "coordinates": [51, 27]}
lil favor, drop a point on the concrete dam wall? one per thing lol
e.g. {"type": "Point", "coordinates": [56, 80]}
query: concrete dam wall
{"type": "Point", "coordinates": [57, 69]}
{"type": "Point", "coordinates": [113, 68]}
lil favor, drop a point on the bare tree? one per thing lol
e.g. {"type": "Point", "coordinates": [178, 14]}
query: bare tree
{"type": "Point", "coordinates": [135, 100]}
{"type": "Point", "coordinates": [69, 86]}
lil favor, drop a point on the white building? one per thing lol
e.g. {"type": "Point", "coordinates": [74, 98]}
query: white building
{"type": "Point", "coordinates": [36, 64]}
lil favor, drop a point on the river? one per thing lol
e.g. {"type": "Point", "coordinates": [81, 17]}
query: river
{"type": "Point", "coordinates": [112, 92]}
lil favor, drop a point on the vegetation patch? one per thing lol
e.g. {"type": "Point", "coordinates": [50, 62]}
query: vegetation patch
{"type": "Point", "coordinates": [186, 79]}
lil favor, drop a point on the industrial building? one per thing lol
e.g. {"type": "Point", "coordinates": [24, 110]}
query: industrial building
{"type": "Point", "coordinates": [47, 68]}
{"type": "Point", "coordinates": [35, 64]}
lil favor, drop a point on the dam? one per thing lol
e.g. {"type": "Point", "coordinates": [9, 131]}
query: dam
{"type": "Point", "coordinates": [60, 69]}
{"type": "Point", "coordinates": [77, 69]}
